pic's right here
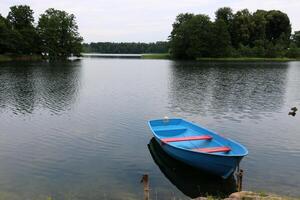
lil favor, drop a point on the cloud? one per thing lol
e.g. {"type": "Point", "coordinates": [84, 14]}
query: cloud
{"type": "Point", "coordinates": [143, 20]}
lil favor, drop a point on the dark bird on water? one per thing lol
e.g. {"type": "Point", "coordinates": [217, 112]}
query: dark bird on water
{"type": "Point", "coordinates": [293, 111]}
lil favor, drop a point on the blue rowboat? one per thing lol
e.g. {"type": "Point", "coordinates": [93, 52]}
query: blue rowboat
{"type": "Point", "coordinates": [197, 146]}
{"type": "Point", "coordinates": [196, 183]}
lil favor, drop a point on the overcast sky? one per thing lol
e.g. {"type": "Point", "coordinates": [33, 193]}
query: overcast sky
{"type": "Point", "coordinates": [143, 20]}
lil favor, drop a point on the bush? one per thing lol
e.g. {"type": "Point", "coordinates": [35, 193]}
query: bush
{"type": "Point", "coordinates": [293, 52]}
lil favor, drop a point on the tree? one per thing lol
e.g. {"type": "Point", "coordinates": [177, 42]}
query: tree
{"type": "Point", "coordinates": [296, 38]}
{"type": "Point", "coordinates": [258, 34]}
{"type": "Point", "coordinates": [180, 19]}
{"type": "Point", "coordinates": [224, 14]}
{"type": "Point", "coordinates": [200, 31]}
{"type": "Point", "coordinates": [221, 41]}
{"type": "Point", "coordinates": [242, 26]}
{"type": "Point", "coordinates": [179, 36]}
{"type": "Point", "coordinates": [9, 38]}
{"type": "Point", "coordinates": [4, 31]}
{"type": "Point", "coordinates": [21, 19]}
{"type": "Point", "coordinates": [278, 26]}
{"type": "Point", "coordinates": [191, 36]}
{"type": "Point", "coordinates": [125, 47]}
{"type": "Point", "coordinates": [59, 35]}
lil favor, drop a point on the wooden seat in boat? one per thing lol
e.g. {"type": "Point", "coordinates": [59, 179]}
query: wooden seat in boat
{"type": "Point", "coordinates": [188, 138]}
{"type": "Point", "coordinates": [213, 149]}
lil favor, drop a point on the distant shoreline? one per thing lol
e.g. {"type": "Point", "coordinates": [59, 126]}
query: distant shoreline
{"type": "Point", "coordinates": [164, 56]}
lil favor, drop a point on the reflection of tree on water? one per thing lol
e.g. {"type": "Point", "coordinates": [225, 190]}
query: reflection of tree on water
{"type": "Point", "coordinates": [245, 88]}
{"type": "Point", "coordinates": [25, 86]}
{"type": "Point", "coordinates": [192, 182]}
{"type": "Point", "coordinates": [60, 82]}
{"type": "Point", "coordinates": [17, 89]}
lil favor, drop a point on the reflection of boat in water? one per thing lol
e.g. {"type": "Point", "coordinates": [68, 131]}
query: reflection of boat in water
{"type": "Point", "coordinates": [198, 146]}
{"type": "Point", "coordinates": [189, 180]}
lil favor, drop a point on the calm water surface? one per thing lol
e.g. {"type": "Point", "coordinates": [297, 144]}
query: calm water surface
{"type": "Point", "coordinates": [78, 130]}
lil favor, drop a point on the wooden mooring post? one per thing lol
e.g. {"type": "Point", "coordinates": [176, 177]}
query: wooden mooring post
{"type": "Point", "coordinates": [145, 181]}
{"type": "Point", "coordinates": [239, 176]}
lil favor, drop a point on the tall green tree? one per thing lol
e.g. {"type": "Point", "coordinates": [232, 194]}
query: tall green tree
{"type": "Point", "coordinates": [4, 31]}
{"type": "Point", "coordinates": [199, 36]}
{"type": "Point", "coordinates": [191, 37]}
{"type": "Point", "coordinates": [259, 26]}
{"type": "Point", "coordinates": [242, 26]}
{"type": "Point", "coordinates": [296, 38]}
{"type": "Point", "coordinates": [225, 14]}
{"type": "Point", "coordinates": [220, 41]}
{"type": "Point", "coordinates": [278, 27]}
{"type": "Point", "coordinates": [179, 38]}
{"type": "Point", "coordinates": [21, 19]}
{"type": "Point", "coordinates": [9, 38]}
{"type": "Point", "coordinates": [59, 35]}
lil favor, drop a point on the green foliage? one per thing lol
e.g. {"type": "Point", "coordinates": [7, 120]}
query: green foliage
{"type": "Point", "coordinates": [242, 26]}
{"type": "Point", "coordinates": [59, 34]}
{"type": "Point", "coordinates": [179, 40]}
{"type": "Point", "coordinates": [293, 51]}
{"type": "Point", "coordinates": [131, 48]}
{"type": "Point", "coordinates": [220, 40]}
{"type": "Point", "coordinates": [24, 36]}
{"type": "Point", "coordinates": [4, 34]}
{"type": "Point", "coordinates": [296, 39]}
{"type": "Point", "coordinates": [199, 36]}
{"type": "Point", "coordinates": [20, 17]}
{"type": "Point", "coordinates": [240, 34]}
{"type": "Point", "coordinates": [191, 36]}
{"type": "Point", "coordinates": [55, 36]}
{"type": "Point", "coordinates": [278, 26]}
{"type": "Point", "coordinates": [259, 22]}
{"type": "Point", "coordinates": [224, 14]}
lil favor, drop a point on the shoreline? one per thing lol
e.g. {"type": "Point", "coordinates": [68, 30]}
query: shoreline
{"type": "Point", "coordinates": [5, 58]}
{"type": "Point", "coordinates": [226, 59]}
{"type": "Point", "coordinates": [249, 59]}
{"type": "Point", "coordinates": [250, 195]}
{"type": "Point", "coordinates": [162, 56]}
{"type": "Point", "coordinates": [243, 195]}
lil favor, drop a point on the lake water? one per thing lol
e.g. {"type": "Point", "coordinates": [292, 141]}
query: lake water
{"type": "Point", "coordinates": [79, 130]}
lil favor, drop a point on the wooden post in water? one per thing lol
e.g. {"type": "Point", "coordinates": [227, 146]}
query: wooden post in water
{"type": "Point", "coordinates": [145, 181]}
{"type": "Point", "coordinates": [239, 179]}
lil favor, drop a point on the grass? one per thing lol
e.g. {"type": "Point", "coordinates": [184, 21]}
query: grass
{"type": "Point", "coordinates": [20, 57]}
{"type": "Point", "coordinates": [156, 56]}
{"type": "Point", "coordinates": [262, 194]}
{"type": "Point", "coordinates": [5, 58]}
{"type": "Point", "coordinates": [241, 59]}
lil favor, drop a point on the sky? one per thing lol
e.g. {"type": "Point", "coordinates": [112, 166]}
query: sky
{"type": "Point", "coordinates": [143, 20]}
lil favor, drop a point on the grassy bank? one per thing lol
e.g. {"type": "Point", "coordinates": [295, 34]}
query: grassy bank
{"type": "Point", "coordinates": [5, 58]}
{"type": "Point", "coordinates": [156, 56]}
{"type": "Point", "coordinates": [20, 58]}
{"type": "Point", "coordinates": [241, 59]}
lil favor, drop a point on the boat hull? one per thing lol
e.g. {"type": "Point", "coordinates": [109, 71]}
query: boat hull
{"type": "Point", "coordinates": [197, 146]}
{"type": "Point", "coordinates": [218, 165]}
{"type": "Point", "coordinates": [189, 183]}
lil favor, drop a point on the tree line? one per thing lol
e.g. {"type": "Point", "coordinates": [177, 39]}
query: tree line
{"type": "Point", "coordinates": [126, 47]}
{"type": "Point", "coordinates": [54, 36]}
{"type": "Point", "coordinates": [241, 34]}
